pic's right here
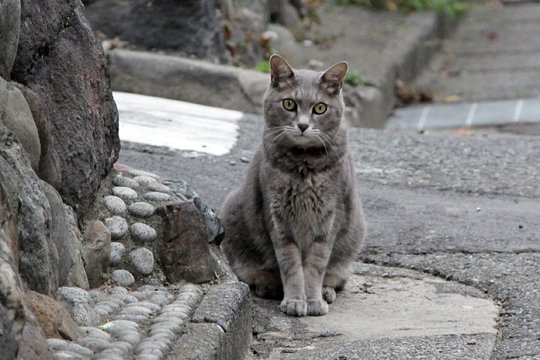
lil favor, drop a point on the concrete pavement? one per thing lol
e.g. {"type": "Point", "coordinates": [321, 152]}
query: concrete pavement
{"type": "Point", "coordinates": [463, 209]}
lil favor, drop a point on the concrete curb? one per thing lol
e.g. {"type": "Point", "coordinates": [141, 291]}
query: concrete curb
{"type": "Point", "coordinates": [240, 89]}
{"type": "Point", "coordinates": [220, 328]}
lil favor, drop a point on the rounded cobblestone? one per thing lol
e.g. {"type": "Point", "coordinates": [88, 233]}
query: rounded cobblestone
{"type": "Point", "coordinates": [117, 290]}
{"type": "Point", "coordinates": [57, 344]}
{"type": "Point", "coordinates": [180, 313]}
{"type": "Point", "coordinates": [97, 295]}
{"type": "Point", "coordinates": [144, 180]}
{"type": "Point", "coordinates": [150, 350]}
{"type": "Point", "coordinates": [130, 336]}
{"type": "Point", "coordinates": [173, 325]}
{"type": "Point", "coordinates": [95, 344]}
{"type": "Point", "coordinates": [156, 196]}
{"type": "Point", "coordinates": [139, 295]}
{"type": "Point", "coordinates": [122, 277]}
{"type": "Point", "coordinates": [108, 356]}
{"type": "Point", "coordinates": [152, 288]}
{"type": "Point", "coordinates": [95, 332]}
{"type": "Point", "coordinates": [147, 304]}
{"type": "Point", "coordinates": [67, 355]}
{"type": "Point", "coordinates": [117, 253]}
{"type": "Point", "coordinates": [113, 305]}
{"type": "Point", "coordinates": [159, 299]}
{"type": "Point", "coordinates": [143, 260]}
{"type": "Point", "coordinates": [120, 180]}
{"type": "Point", "coordinates": [118, 227]}
{"type": "Point", "coordinates": [141, 209]}
{"type": "Point", "coordinates": [79, 349]}
{"type": "Point", "coordinates": [159, 187]}
{"type": "Point", "coordinates": [136, 310]}
{"type": "Point", "coordinates": [142, 232]}
{"type": "Point", "coordinates": [80, 305]}
{"type": "Point", "coordinates": [116, 300]}
{"type": "Point", "coordinates": [115, 205]}
{"type": "Point", "coordinates": [137, 172]}
{"type": "Point", "coordinates": [126, 298]}
{"type": "Point", "coordinates": [162, 332]}
{"type": "Point", "coordinates": [124, 192]}
{"type": "Point", "coordinates": [139, 319]}
{"type": "Point", "coordinates": [102, 312]}
{"type": "Point", "coordinates": [118, 347]}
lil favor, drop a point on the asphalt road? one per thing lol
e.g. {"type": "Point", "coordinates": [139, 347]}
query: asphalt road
{"type": "Point", "coordinates": [460, 208]}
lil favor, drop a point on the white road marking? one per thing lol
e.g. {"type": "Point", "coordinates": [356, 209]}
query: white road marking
{"type": "Point", "coordinates": [423, 118]}
{"type": "Point", "coordinates": [470, 116]}
{"type": "Point", "coordinates": [517, 111]}
{"type": "Point", "coordinates": [176, 124]}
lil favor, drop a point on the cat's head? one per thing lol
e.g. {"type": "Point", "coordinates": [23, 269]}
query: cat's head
{"type": "Point", "coordinates": [304, 106]}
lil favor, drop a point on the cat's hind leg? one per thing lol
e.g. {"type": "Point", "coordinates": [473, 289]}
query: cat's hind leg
{"type": "Point", "coordinates": [328, 294]}
{"type": "Point", "coordinates": [332, 282]}
{"type": "Point", "coordinates": [268, 285]}
{"type": "Point", "coordinates": [264, 283]}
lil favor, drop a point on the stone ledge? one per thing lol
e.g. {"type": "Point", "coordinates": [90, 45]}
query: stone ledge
{"type": "Point", "coordinates": [186, 79]}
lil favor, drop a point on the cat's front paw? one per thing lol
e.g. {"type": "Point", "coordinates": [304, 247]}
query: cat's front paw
{"type": "Point", "coordinates": [317, 307]}
{"type": "Point", "coordinates": [294, 307]}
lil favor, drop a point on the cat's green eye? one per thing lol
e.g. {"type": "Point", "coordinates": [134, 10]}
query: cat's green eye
{"type": "Point", "coordinates": [289, 104]}
{"type": "Point", "coordinates": [320, 108]}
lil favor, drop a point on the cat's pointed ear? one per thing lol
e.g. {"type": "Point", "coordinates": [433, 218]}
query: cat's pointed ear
{"type": "Point", "coordinates": [281, 73]}
{"type": "Point", "coordinates": [332, 79]}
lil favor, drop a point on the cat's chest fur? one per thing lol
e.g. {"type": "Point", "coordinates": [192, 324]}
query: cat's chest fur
{"type": "Point", "coordinates": [303, 207]}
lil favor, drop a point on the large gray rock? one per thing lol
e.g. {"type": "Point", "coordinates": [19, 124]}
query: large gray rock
{"type": "Point", "coordinates": [59, 231]}
{"type": "Point", "coordinates": [36, 249]}
{"type": "Point", "coordinates": [189, 26]}
{"type": "Point", "coordinates": [59, 58]}
{"type": "Point", "coordinates": [12, 316]}
{"type": "Point", "coordinates": [10, 16]}
{"type": "Point", "coordinates": [77, 274]}
{"type": "Point", "coordinates": [49, 162]}
{"type": "Point", "coordinates": [18, 118]}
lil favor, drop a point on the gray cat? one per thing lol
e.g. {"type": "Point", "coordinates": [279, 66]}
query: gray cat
{"type": "Point", "coordinates": [296, 225]}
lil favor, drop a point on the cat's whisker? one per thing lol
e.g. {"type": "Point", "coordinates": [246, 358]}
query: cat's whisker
{"type": "Point", "coordinates": [274, 139]}
{"type": "Point", "coordinates": [329, 141]}
{"type": "Point", "coordinates": [318, 137]}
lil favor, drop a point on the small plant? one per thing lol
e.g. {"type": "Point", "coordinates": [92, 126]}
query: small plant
{"type": "Point", "coordinates": [355, 78]}
{"type": "Point", "coordinates": [263, 66]}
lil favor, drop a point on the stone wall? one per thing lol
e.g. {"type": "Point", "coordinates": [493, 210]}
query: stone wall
{"type": "Point", "coordinates": [58, 140]}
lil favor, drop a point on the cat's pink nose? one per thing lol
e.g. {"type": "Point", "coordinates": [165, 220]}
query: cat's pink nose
{"type": "Point", "coordinates": [303, 126]}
